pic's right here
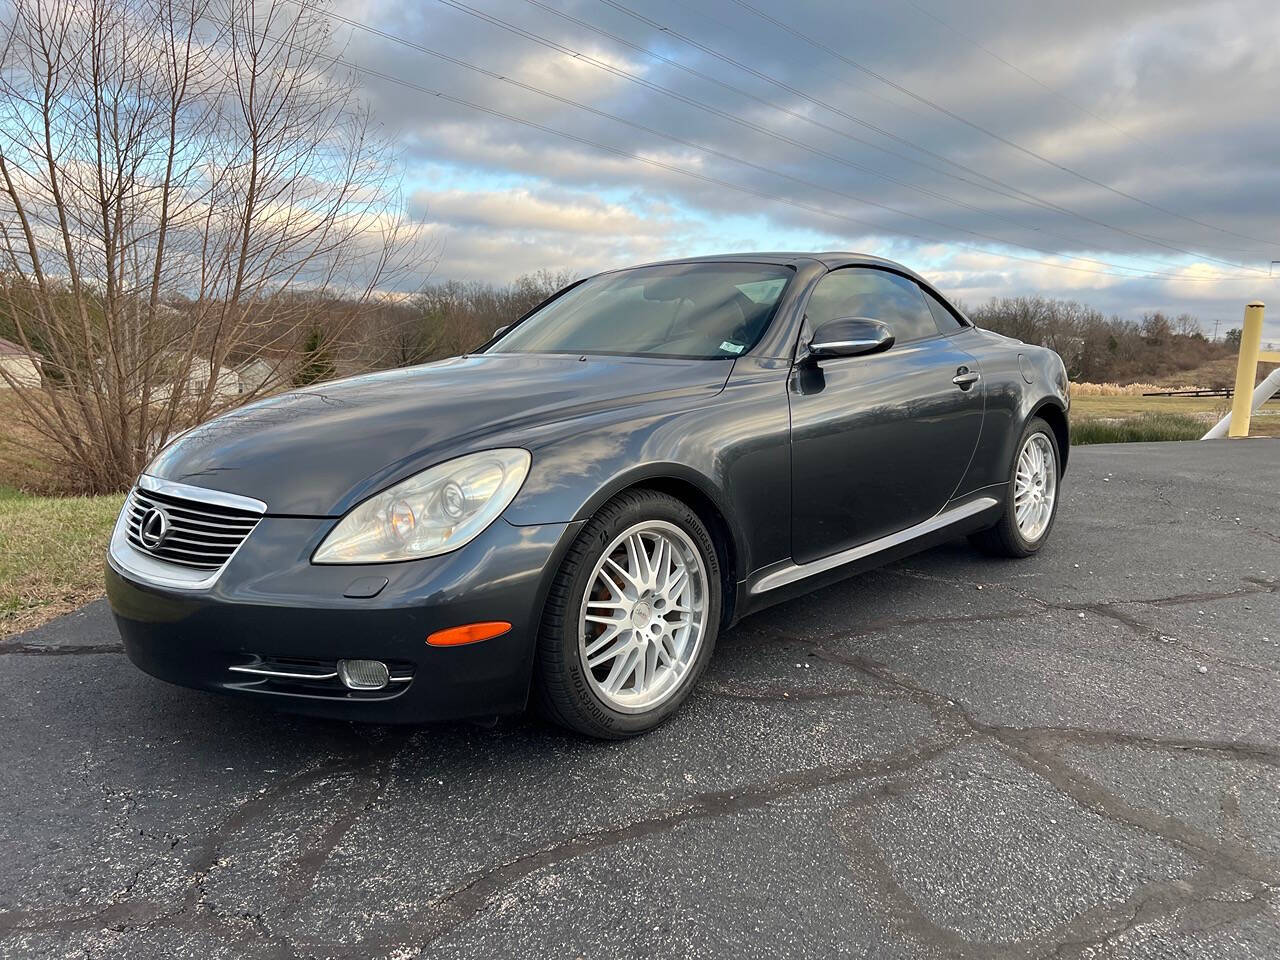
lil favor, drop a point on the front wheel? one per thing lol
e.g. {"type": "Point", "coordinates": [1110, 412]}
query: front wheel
{"type": "Point", "coordinates": [631, 618]}
{"type": "Point", "coordinates": [1031, 498]}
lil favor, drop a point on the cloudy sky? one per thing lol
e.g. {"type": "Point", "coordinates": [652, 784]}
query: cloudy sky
{"type": "Point", "coordinates": [1125, 153]}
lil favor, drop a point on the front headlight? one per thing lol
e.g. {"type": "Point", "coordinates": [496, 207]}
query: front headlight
{"type": "Point", "coordinates": [433, 512]}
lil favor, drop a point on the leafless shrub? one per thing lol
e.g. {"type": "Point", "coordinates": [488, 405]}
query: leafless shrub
{"type": "Point", "coordinates": [449, 318]}
{"type": "Point", "coordinates": [186, 187]}
{"type": "Point", "coordinates": [1101, 349]}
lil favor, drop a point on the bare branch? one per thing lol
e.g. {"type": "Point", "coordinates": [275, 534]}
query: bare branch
{"type": "Point", "coordinates": [186, 187]}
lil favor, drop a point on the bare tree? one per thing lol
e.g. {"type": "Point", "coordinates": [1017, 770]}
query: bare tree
{"type": "Point", "coordinates": [1186, 325]}
{"type": "Point", "coordinates": [456, 316]}
{"type": "Point", "coordinates": [185, 185]}
{"type": "Point", "coordinates": [1097, 348]}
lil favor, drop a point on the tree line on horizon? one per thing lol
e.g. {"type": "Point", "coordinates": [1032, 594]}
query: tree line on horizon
{"type": "Point", "coordinates": [1097, 348]}
{"type": "Point", "coordinates": [448, 318]}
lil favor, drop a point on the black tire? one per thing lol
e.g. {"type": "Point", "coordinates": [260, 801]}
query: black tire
{"type": "Point", "coordinates": [1004, 539]}
{"type": "Point", "coordinates": [562, 691]}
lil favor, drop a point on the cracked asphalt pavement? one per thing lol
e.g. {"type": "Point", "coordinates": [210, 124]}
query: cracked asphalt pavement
{"type": "Point", "coordinates": [1071, 756]}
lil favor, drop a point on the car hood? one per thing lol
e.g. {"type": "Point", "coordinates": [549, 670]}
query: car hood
{"type": "Point", "coordinates": [319, 450]}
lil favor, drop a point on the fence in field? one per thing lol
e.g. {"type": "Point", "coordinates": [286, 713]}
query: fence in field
{"type": "Point", "coordinates": [1248, 398]}
{"type": "Point", "coordinates": [1207, 392]}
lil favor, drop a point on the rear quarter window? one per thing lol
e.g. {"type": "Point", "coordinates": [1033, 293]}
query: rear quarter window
{"type": "Point", "coordinates": [947, 321]}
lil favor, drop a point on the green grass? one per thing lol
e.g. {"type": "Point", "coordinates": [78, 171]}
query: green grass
{"type": "Point", "coordinates": [52, 557]}
{"type": "Point", "coordinates": [1142, 428]}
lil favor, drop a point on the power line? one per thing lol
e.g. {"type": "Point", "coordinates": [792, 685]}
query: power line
{"type": "Point", "coordinates": [967, 38]}
{"type": "Point", "coordinates": [622, 8]}
{"type": "Point", "coordinates": [818, 44]}
{"type": "Point", "coordinates": [733, 118]}
{"type": "Point", "coordinates": [783, 138]}
{"type": "Point", "coordinates": [946, 25]}
{"type": "Point", "coordinates": [711, 151]}
{"type": "Point", "coordinates": [793, 114]}
{"type": "Point", "coordinates": [586, 141]}
{"type": "Point", "coordinates": [616, 71]}
{"type": "Point", "coordinates": [666, 91]}
{"type": "Point", "coordinates": [1018, 193]}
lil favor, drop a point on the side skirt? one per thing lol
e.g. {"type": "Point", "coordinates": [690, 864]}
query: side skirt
{"type": "Point", "coordinates": [787, 579]}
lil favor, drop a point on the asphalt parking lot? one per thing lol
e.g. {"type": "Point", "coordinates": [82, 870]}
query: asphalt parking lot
{"type": "Point", "coordinates": [1072, 756]}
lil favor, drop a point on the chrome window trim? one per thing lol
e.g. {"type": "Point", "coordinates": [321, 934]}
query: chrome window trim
{"type": "Point", "coordinates": [132, 562]}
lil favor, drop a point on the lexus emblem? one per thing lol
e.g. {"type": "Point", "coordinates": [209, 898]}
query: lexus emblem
{"type": "Point", "coordinates": [154, 528]}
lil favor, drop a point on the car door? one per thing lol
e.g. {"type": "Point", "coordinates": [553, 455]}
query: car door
{"type": "Point", "coordinates": [881, 441]}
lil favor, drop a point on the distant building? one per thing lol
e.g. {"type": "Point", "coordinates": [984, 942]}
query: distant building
{"type": "Point", "coordinates": [247, 378]}
{"type": "Point", "coordinates": [254, 374]}
{"type": "Point", "coordinates": [17, 365]}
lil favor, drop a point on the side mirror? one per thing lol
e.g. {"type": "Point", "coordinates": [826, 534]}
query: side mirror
{"type": "Point", "coordinates": [500, 331]}
{"type": "Point", "coordinates": [850, 337]}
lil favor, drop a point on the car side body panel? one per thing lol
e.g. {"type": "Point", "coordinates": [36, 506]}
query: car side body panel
{"type": "Point", "coordinates": [1010, 400]}
{"type": "Point", "coordinates": [879, 442]}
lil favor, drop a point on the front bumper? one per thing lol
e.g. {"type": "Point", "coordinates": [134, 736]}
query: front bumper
{"type": "Point", "coordinates": [270, 605]}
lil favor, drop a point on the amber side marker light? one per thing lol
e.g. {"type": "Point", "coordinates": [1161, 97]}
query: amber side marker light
{"type": "Point", "coordinates": [468, 633]}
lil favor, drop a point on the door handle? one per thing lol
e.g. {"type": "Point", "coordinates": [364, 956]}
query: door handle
{"type": "Point", "coordinates": [965, 378]}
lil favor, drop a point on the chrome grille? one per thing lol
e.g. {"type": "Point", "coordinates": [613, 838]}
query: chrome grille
{"type": "Point", "coordinates": [199, 534]}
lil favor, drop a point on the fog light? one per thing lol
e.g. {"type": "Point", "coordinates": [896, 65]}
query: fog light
{"type": "Point", "coordinates": [363, 674]}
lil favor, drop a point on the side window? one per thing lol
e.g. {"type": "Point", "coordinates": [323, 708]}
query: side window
{"type": "Point", "coordinates": [947, 321]}
{"type": "Point", "coordinates": [877, 294]}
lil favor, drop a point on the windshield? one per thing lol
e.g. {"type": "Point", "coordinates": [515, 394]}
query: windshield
{"type": "Point", "coordinates": [691, 310]}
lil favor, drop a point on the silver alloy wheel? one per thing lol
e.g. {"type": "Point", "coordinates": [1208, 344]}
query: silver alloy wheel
{"type": "Point", "coordinates": [1035, 487]}
{"type": "Point", "coordinates": [643, 616]}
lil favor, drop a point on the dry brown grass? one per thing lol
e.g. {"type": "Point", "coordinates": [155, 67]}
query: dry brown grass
{"type": "Point", "coordinates": [25, 457]}
{"type": "Point", "coordinates": [1211, 376]}
{"type": "Point", "coordinates": [1215, 373]}
{"type": "Point", "coordinates": [1119, 407]}
{"type": "Point", "coordinates": [1118, 389]}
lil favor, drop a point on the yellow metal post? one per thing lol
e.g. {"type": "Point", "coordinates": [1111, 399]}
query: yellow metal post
{"type": "Point", "coordinates": [1246, 370]}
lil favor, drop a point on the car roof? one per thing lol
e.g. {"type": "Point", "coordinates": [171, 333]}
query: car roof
{"type": "Point", "coordinates": [831, 259]}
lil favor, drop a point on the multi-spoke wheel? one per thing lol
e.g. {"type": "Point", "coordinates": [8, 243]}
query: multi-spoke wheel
{"type": "Point", "coordinates": [1035, 487]}
{"type": "Point", "coordinates": [632, 617]}
{"type": "Point", "coordinates": [643, 615]}
{"type": "Point", "coordinates": [1031, 500]}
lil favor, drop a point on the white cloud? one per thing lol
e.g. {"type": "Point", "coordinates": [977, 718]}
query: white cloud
{"type": "Point", "coordinates": [499, 234]}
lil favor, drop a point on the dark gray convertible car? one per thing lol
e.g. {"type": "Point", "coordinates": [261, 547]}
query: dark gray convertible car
{"type": "Point", "coordinates": [575, 511]}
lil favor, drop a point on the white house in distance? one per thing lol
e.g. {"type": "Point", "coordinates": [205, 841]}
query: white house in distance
{"type": "Point", "coordinates": [231, 382]}
{"type": "Point", "coordinates": [17, 366]}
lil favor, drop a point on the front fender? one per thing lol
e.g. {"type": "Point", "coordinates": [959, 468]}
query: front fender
{"type": "Point", "coordinates": [734, 450]}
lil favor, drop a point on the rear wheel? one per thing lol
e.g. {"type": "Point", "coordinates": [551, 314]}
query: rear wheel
{"type": "Point", "coordinates": [631, 618]}
{"type": "Point", "coordinates": [1031, 497]}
